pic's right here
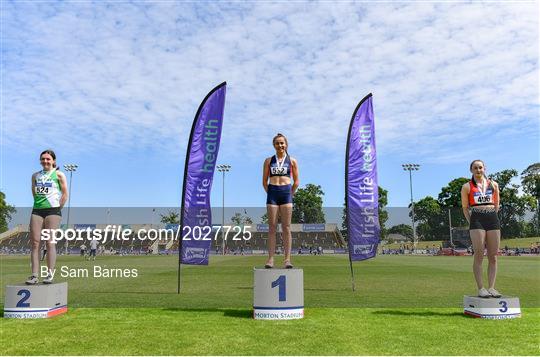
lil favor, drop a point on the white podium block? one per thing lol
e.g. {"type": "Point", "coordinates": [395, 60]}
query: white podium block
{"type": "Point", "coordinates": [278, 294]}
{"type": "Point", "coordinates": [505, 307]}
{"type": "Point", "coordinates": [35, 301]}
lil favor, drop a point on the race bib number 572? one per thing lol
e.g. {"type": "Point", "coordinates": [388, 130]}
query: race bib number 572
{"type": "Point", "coordinates": [278, 170]}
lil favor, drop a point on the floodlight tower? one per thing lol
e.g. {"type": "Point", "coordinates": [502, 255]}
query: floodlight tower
{"type": "Point", "coordinates": [223, 169]}
{"type": "Point", "coordinates": [71, 168]}
{"type": "Point", "coordinates": [411, 168]}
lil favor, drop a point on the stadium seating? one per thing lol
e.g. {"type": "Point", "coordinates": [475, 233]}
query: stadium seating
{"type": "Point", "coordinates": [326, 236]}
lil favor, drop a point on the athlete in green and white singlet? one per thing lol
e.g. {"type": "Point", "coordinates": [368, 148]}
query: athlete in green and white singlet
{"type": "Point", "coordinates": [47, 190]}
{"type": "Point", "coordinates": [50, 193]}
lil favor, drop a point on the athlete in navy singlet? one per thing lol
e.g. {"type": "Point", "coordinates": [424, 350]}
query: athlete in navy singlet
{"type": "Point", "coordinates": [278, 171]}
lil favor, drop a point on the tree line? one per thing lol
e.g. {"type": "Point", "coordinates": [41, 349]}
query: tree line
{"type": "Point", "coordinates": [519, 209]}
{"type": "Point", "coordinates": [518, 213]}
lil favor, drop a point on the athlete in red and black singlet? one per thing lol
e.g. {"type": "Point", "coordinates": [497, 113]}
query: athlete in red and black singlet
{"type": "Point", "coordinates": [480, 203]}
{"type": "Point", "coordinates": [479, 198]}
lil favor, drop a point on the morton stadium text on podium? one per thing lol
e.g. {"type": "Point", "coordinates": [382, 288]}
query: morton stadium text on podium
{"type": "Point", "coordinates": [35, 301]}
{"type": "Point", "coordinates": [278, 294]}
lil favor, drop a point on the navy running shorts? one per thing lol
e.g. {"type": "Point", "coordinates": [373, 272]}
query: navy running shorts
{"type": "Point", "coordinates": [279, 195]}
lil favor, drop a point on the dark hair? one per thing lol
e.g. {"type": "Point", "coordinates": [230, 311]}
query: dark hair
{"type": "Point", "coordinates": [470, 168]}
{"type": "Point", "coordinates": [472, 163]}
{"type": "Point", "coordinates": [50, 152]}
{"type": "Point", "coordinates": [279, 135]}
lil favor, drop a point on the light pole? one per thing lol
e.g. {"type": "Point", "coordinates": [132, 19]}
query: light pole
{"type": "Point", "coordinates": [223, 169]}
{"type": "Point", "coordinates": [411, 168]}
{"type": "Point", "coordinates": [450, 225]}
{"type": "Point", "coordinates": [71, 168]}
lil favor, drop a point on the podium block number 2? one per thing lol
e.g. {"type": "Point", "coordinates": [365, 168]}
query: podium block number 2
{"type": "Point", "coordinates": [25, 295]}
{"type": "Point", "coordinates": [280, 282]}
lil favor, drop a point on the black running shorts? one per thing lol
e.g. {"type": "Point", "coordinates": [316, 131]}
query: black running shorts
{"type": "Point", "coordinates": [44, 212]}
{"type": "Point", "coordinates": [486, 220]}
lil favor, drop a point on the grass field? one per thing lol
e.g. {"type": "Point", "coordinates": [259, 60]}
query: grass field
{"type": "Point", "coordinates": [511, 243]}
{"type": "Point", "coordinates": [402, 305]}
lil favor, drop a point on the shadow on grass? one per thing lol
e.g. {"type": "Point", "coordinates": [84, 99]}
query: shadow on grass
{"type": "Point", "coordinates": [418, 313]}
{"type": "Point", "coordinates": [238, 313]}
{"type": "Point", "coordinates": [132, 292]}
{"type": "Point", "coordinates": [305, 289]}
{"type": "Point", "coordinates": [324, 289]}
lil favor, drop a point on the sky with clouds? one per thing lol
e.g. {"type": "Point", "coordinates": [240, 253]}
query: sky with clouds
{"type": "Point", "coordinates": [114, 88]}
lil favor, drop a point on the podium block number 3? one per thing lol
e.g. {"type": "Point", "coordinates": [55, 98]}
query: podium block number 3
{"type": "Point", "coordinates": [504, 306]}
{"type": "Point", "coordinates": [280, 282]}
{"type": "Point", "coordinates": [25, 295]}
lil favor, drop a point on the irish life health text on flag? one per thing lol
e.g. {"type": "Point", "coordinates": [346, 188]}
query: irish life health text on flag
{"type": "Point", "coordinates": [362, 193]}
{"type": "Point", "coordinates": [201, 159]}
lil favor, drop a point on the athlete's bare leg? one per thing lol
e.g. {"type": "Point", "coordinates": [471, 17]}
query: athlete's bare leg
{"type": "Point", "coordinates": [285, 211]}
{"type": "Point", "coordinates": [272, 211]}
{"type": "Point", "coordinates": [51, 222]}
{"type": "Point", "coordinates": [478, 238]}
{"type": "Point", "coordinates": [493, 240]}
{"type": "Point", "coordinates": [36, 222]}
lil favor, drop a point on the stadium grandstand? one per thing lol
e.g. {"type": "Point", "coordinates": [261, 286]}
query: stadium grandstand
{"type": "Point", "coordinates": [17, 241]}
{"type": "Point", "coordinates": [306, 239]}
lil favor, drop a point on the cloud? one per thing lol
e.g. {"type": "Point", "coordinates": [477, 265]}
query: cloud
{"type": "Point", "coordinates": [125, 75]}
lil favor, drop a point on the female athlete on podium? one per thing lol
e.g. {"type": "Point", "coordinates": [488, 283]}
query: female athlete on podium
{"type": "Point", "coordinates": [480, 203]}
{"type": "Point", "coordinates": [49, 188]}
{"type": "Point", "coordinates": [277, 173]}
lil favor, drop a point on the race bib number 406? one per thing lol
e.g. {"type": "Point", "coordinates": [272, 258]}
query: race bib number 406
{"type": "Point", "coordinates": [480, 198]}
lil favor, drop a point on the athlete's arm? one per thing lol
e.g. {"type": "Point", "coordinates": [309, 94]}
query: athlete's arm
{"type": "Point", "coordinates": [496, 197]}
{"type": "Point", "coordinates": [295, 175]}
{"type": "Point", "coordinates": [33, 186]}
{"type": "Point", "coordinates": [63, 187]}
{"type": "Point", "coordinates": [465, 201]}
{"type": "Point", "coordinates": [266, 173]}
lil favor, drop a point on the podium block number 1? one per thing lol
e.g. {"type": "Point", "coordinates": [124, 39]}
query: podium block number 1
{"type": "Point", "coordinates": [25, 295]}
{"type": "Point", "coordinates": [280, 282]}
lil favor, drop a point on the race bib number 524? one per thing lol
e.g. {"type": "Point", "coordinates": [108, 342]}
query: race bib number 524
{"type": "Point", "coordinates": [42, 188]}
